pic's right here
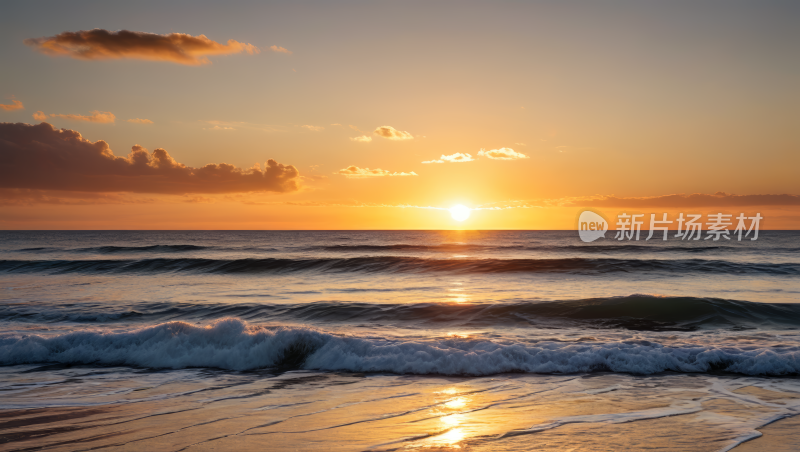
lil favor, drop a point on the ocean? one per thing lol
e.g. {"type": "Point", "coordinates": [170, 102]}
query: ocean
{"type": "Point", "coordinates": [397, 340]}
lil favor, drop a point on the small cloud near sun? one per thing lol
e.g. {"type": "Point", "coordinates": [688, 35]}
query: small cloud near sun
{"type": "Point", "coordinates": [502, 154]}
{"type": "Point", "coordinates": [458, 157]}
{"type": "Point", "coordinates": [354, 171]}
{"type": "Point", "coordinates": [392, 133]}
{"type": "Point", "coordinates": [361, 139]}
{"type": "Point", "coordinates": [140, 121]}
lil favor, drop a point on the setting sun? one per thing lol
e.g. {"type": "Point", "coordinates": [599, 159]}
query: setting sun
{"type": "Point", "coordinates": [459, 212]}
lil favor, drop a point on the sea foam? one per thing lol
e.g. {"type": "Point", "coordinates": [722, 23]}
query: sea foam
{"type": "Point", "coordinates": [233, 344]}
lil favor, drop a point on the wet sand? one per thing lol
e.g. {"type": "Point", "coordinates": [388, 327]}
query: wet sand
{"type": "Point", "coordinates": [197, 410]}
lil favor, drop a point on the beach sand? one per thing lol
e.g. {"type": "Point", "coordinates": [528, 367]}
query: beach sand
{"type": "Point", "coordinates": [303, 410]}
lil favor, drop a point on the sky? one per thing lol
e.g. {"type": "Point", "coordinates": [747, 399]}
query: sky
{"type": "Point", "coordinates": [384, 115]}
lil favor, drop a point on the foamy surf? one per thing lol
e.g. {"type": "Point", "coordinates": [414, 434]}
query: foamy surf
{"type": "Point", "coordinates": [233, 344]}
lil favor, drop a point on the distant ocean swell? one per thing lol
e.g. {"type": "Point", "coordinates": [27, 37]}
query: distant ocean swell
{"type": "Point", "coordinates": [634, 312]}
{"type": "Point", "coordinates": [396, 264]}
{"type": "Point", "coordinates": [232, 344]}
{"type": "Point", "coordinates": [688, 247]}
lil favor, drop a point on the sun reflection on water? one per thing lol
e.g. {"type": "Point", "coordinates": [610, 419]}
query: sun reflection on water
{"type": "Point", "coordinates": [456, 294]}
{"type": "Point", "coordinates": [450, 408]}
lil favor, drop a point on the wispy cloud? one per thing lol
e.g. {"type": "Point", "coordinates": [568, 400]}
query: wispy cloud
{"type": "Point", "coordinates": [392, 133]}
{"type": "Point", "coordinates": [28, 197]}
{"type": "Point", "coordinates": [718, 199]}
{"type": "Point", "coordinates": [673, 201]}
{"type": "Point", "coordinates": [502, 154]}
{"type": "Point", "coordinates": [14, 105]}
{"type": "Point", "coordinates": [361, 139]}
{"type": "Point", "coordinates": [237, 125]}
{"type": "Point", "coordinates": [99, 44]}
{"type": "Point", "coordinates": [280, 49]}
{"type": "Point", "coordinates": [356, 172]}
{"type": "Point", "coordinates": [101, 117]}
{"type": "Point", "coordinates": [140, 121]}
{"type": "Point", "coordinates": [39, 116]}
{"type": "Point", "coordinates": [495, 154]}
{"type": "Point", "coordinates": [313, 128]}
{"type": "Point", "coordinates": [458, 157]}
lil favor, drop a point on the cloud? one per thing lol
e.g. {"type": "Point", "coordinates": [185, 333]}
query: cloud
{"type": "Point", "coordinates": [101, 117]}
{"type": "Point", "coordinates": [99, 44]}
{"type": "Point", "coordinates": [313, 128]}
{"type": "Point", "coordinates": [495, 154]}
{"type": "Point", "coordinates": [27, 197]}
{"type": "Point", "coordinates": [44, 158]}
{"type": "Point", "coordinates": [40, 116]}
{"type": "Point", "coordinates": [392, 133]}
{"type": "Point", "coordinates": [361, 139]}
{"type": "Point", "coordinates": [458, 157]}
{"type": "Point", "coordinates": [354, 171]}
{"type": "Point", "coordinates": [14, 105]}
{"type": "Point", "coordinates": [237, 125]}
{"type": "Point", "coordinates": [718, 199]}
{"type": "Point", "coordinates": [279, 49]}
{"type": "Point", "coordinates": [502, 154]}
{"type": "Point", "coordinates": [198, 199]}
{"type": "Point", "coordinates": [140, 121]}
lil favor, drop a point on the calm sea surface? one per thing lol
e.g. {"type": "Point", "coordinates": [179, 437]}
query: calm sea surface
{"type": "Point", "coordinates": [397, 340]}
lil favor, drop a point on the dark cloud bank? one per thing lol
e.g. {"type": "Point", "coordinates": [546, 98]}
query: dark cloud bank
{"type": "Point", "coordinates": [42, 157]}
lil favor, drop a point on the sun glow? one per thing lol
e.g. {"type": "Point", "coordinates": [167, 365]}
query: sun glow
{"type": "Point", "coordinates": [459, 212]}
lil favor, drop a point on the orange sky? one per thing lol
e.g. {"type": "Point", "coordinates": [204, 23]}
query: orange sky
{"type": "Point", "coordinates": [381, 116]}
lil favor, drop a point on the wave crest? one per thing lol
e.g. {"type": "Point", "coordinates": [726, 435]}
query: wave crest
{"type": "Point", "coordinates": [233, 344]}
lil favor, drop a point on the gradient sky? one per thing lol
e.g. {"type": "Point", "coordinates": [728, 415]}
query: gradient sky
{"type": "Point", "coordinates": [610, 101]}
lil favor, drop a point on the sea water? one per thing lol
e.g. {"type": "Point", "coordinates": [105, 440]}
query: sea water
{"type": "Point", "coordinates": [396, 340]}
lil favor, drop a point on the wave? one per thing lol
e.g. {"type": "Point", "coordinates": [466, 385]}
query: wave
{"type": "Point", "coordinates": [445, 247]}
{"type": "Point", "coordinates": [401, 247]}
{"type": "Point", "coordinates": [593, 248]}
{"type": "Point", "coordinates": [121, 249]}
{"type": "Point", "coordinates": [396, 264]}
{"type": "Point", "coordinates": [235, 345]}
{"type": "Point", "coordinates": [633, 312]}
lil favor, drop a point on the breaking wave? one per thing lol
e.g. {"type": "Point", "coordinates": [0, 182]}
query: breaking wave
{"type": "Point", "coordinates": [233, 344]}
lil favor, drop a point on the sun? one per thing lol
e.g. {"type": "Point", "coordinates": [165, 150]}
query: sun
{"type": "Point", "coordinates": [459, 212]}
